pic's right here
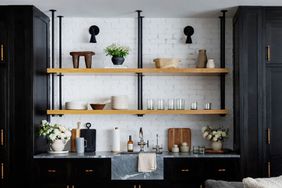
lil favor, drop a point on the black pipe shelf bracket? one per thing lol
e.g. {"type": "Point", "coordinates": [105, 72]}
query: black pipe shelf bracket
{"type": "Point", "coordinates": [140, 62]}
{"type": "Point", "coordinates": [60, 63]}
{"type": "Point", "coordinates": [53, 59]}
{"type": "Point", "coordinates": [222, 58]}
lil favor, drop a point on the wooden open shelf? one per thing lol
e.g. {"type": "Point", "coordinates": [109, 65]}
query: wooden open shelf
{"type": "Point", "coordinates": [175, 71]}
{"type": "Point", "coordinates": [135, 112]}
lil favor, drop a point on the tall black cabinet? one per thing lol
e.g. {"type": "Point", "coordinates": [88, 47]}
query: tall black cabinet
{"type": "Point", "coordinates": [258, 89]}
{"type": "Point", "coordinates": [24, 57]}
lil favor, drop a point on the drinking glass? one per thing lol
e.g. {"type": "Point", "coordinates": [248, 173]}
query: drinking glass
{"type": "Point", "coordinates": [194, 106]}
{"type": "Point", "coordinates": [160, 104]}
{"type": "Point", "coordinates": [208, 106]}
{"type": "Point", "coordinates": [180, 104]}
{"type": "Point", "coordinates": [150, 104]}
{"type": "Point", "coordinates": [170, 104]}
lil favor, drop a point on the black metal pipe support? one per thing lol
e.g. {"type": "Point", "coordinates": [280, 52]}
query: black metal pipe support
{"type": "Point", "coordinates": [52, 58]}
{"type": "Point", "coordinates": [60, 62]}
{"type": "Point", "coordinates": [222, 58]}
{"type": "Point", "coordinates": [140, 62]}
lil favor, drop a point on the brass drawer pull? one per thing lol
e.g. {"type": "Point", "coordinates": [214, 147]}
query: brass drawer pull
{"type": "Point", "coordinates": [2, 171]}
{"type": "Point", "coordinates": [134, 186]}
{"type": "Point", "coordinates": [139, 186]}
{"type": "Point", "coordinates": [51, 171]}
{"type": "Point", "coordinates": [221, 170]}
{"type": "Point", "coordinates": [185, 170]}
{"type": "Point", "coordinates": [2, 137]}
{"type": "Point", "coordinates": [72, 186]}
{"type": "Point", "coordinates": [268, 51]}
{"type": "Point", "coordinates": [2, 52]}
{"type": "Point", "coordinates": [89, 170]}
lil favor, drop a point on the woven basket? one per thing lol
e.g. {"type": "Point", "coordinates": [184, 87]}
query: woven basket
{"type": "Point", "coordinates": [166, 62]}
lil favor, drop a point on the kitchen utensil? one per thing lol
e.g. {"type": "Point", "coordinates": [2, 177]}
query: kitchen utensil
{"type": "Point", "coordinates": [178, 136]}
{"type": "Point", "coordinates": [90, 136]}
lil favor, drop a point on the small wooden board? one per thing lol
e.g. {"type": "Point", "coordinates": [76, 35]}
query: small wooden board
{"type": "Point", "coordinates": [178, 136]}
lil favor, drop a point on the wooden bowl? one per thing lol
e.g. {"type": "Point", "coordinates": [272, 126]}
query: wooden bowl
{"type": "Point", "coordinates": [97, 106]}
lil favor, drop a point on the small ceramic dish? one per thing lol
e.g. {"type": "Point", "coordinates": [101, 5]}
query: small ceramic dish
{"type": "Point", "coordinates": [97, 106]}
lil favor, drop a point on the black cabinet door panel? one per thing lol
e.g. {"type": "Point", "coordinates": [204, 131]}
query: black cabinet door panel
{"type": "Point", "coordinates": [274, 117]}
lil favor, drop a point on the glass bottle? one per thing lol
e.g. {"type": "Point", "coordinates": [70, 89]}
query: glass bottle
{"type": "Point", "coordinates": [130, 144]}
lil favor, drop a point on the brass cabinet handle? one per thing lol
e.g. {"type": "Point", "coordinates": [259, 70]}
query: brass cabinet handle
{"type": "Point", "coordinates": [268, 53]}
{"type": "Point", "coordinates": [2, 52]}
{"type": "Point", "coordinates": [89, 171]}
{"type": "Point", "coordinates": [269, 169]}
{"type": "Point", "coordinates": [221, 170]}
{"type": "Point", "coordinates": [2, 171]}
{"type": "Point", "coordinates": [185, 170]}
{"type": "Point", "coordinates": [72, 186]}
{"type": "Point", "coordinates": [51, 171]}
{"type": "Point", "coordinates": [2, 137]}
{"type": "Point", "coordinates": [134, 186]}
{"type": "Point", "coordinates": [268, 135]}
{"type": "Point", "coordinates": [68, 186]}
{"type": "Point", "coordinates": [139, 186]}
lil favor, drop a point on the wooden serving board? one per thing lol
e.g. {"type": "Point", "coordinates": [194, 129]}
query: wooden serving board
{"type": "Point", "coordinates": [178, 136]}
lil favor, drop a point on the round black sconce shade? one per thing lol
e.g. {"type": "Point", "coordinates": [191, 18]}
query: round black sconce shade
{"type": "Point", "coordinates": [189, 31]}
{"type": "Point", "coordinates": [93, 30]}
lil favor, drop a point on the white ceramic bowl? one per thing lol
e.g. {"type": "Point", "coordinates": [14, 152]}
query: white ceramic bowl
{"type": "Point", "coordinates": [76, 105]}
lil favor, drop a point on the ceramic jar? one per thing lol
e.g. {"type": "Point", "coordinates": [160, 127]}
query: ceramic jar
{"type": "Point", "coordinates": [202, 59]}
{"type": "Point", "coordinates": [184, 148]}
{"type": "Point", "coordinates": [216, 146]}
{"type": "Point", "coordinates": [175, 148]}
{"type": "Point", "coordinates": [57, 145]}
{"type": "Point", "coordinates": [210, 63]}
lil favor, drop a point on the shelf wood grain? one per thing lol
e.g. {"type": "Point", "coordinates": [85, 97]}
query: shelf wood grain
{"type": "Point", "coordinates": [174, 71]}
{"type": "Point", "coordinates": [142, 112]}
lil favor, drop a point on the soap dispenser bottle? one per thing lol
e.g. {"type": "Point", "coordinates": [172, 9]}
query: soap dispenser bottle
{"type": "Point", "coordinates": [130, 144]}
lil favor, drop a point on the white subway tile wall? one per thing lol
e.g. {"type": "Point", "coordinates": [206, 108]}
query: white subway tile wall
{"type": "Point", "coordinates": [162, 37]}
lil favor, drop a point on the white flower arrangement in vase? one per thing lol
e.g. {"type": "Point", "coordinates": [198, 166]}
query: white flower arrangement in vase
{"type": "Point", "coordinates": [216, 135]}
{"type": "Point", "coordinates": [56, 134]}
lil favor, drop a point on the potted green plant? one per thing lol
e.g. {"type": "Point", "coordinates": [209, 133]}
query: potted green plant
{"type": "Point", "coordinates": [118, 53]}
{"type": "Point", "coordinates": [215, 135]}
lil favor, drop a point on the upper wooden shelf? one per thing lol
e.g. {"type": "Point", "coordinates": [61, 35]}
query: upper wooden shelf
{"type": "Point", "coordinates": [137, 112]}
{"type": "Point", "coordinates": [174, 71]}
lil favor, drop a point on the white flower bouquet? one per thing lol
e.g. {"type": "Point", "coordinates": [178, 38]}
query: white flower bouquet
{"type": "Point", "coordinates": [54, 131]}
{"type": "Point", "coordinates": [214, 134]}
{"type": "Point", "coordinates": [117, 50]}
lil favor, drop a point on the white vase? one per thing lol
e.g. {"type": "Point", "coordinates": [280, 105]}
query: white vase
{"type": "Point", "coordinates": [216, 146]}
{"type": "Point", "coordinates": [58, 145]}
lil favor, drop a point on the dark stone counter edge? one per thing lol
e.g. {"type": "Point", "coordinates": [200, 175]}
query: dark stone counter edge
{"type": "Point", "coordinates": [111, 155]}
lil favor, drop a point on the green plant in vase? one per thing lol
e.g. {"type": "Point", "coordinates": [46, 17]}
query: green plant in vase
{"type": "Point", "coordinates": [118, 53]}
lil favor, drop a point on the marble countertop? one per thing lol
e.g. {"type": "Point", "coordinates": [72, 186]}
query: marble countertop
{"type": "Point", "coordinates": [108, 154]}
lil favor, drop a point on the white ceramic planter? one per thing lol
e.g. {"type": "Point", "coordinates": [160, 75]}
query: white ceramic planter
{"type": "Point", "coordinates": [58, 145]}
{"type": "Point", "coordinates": [216, 146]}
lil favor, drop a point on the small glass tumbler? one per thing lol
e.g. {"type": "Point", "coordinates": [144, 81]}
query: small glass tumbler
{"type": "Point", "coordinates": [208, 106]}
{"type": "Point", "coordinates": [150, 104]}
{"type": "Point", "coordinates": [160, 104]}
{"type": "Point", "coordinates": [202, 149]}
{"type": "Point", "coordinates": [180, 104]}
{"type": "Point", "coordinates": [194, 106]}
{"type": "Point", "coordinates": [170, 104]}
{"type": "Point", "coordinates": [196, 149]}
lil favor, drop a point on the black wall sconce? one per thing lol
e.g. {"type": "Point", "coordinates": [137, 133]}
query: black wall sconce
{"type": "Point", "coordinates": [189, 31]}
{"type": "Point", "coordinates": [94, 30]}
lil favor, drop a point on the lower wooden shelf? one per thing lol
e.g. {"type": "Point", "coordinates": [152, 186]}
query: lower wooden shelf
{"type": "Point", "coordinates": [137, 112]}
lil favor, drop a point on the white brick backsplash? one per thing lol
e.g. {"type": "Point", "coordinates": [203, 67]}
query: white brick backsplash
{"type": "Point", "coordinates": [162, 37]}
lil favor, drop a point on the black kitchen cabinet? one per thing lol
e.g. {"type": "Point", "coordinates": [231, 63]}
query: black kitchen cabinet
{"type": "Point", "coordinates": [72, 173]}
{"type": "Point", "coordinates": [192, 172]}
{"type": "Point", "coordinates": [257, 89]}
{"type": "Point", "coordinates": [24, 57]}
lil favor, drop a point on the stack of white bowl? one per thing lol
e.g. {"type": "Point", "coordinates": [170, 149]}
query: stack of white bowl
{"type": "Point", "coordinates": [119, 102]}
{"type": "Point", "coordinates": [76, 105]}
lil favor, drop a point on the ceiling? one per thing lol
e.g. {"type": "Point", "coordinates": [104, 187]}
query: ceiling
{"type": "Point", "coordinates": [151, 8]}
